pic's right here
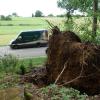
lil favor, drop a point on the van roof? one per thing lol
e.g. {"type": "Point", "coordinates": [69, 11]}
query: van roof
{"type": "Point", "coordinates": [38, 30]}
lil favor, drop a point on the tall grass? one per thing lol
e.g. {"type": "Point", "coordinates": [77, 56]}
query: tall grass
{"type": "Point", "coordinates": [10, 64]}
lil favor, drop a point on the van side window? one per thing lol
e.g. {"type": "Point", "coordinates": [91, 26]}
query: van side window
{"type": "Point", "coordinates": [31, 36]}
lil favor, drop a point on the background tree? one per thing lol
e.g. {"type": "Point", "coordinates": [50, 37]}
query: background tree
{"type": "Point", "coordinates": [9, 17]}
{"type": "Point", "coordinates": [83, 6]}
{"type": "Point", "coordinates": [6, 17]}
{"type": "Point", "coordinates": [50, 15]}
{"type": "Point", "coordinates": [61, 15]}
{"type": "Point", "coordinates": [38, 13]}
{"type": "Point", "coordinates": [32, 15]}
{"type": "Point", "coordinates": [2, 17]}
{"type": "Point", "coordinates": [14, 14]}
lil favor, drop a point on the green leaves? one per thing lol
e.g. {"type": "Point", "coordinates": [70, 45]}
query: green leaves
{"type": "Point", "coordinates": [70, 5]}
{"type": "Point", "coordinates": [54, 92]}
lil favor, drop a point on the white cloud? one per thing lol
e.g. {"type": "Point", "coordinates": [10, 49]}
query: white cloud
{"type": "Point", "coordinates": [27, 7]}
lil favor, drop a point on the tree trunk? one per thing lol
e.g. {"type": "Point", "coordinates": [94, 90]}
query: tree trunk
{"type": "Point", "coordinates": [95, 9]}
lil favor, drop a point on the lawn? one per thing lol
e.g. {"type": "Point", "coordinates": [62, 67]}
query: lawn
{"type": "Point", "coordinates": [20, 24]}
{"type": "Point", "coordinates": [6, 38]}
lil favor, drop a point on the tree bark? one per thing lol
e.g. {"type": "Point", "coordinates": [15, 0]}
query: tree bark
{"type": "Point", "coordinates": [95, 10]}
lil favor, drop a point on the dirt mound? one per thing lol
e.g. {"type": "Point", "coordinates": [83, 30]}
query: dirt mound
{"type": "Point", "coordinates": [72, 63]}
{"type": "Point", "coordinates": [37, 76]}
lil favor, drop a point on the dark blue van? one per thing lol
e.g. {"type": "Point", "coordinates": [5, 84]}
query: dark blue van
{"type": "Point", "coordinates": [33, 38]}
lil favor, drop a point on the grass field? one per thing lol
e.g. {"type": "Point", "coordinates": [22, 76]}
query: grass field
{"type": "Point", "coordinates": [10, 29]}
{"type": "Point", "coordinates": [20, 24]}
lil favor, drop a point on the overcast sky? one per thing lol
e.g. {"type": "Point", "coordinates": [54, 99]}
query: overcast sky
{"type": "Point", "coordinates": [27, 7]}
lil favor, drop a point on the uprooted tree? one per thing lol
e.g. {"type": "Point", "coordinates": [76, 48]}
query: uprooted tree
{"type": "Point", "coordinates": [70, 63]}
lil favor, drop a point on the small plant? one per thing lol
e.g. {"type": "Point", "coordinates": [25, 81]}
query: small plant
{"type": "Point", "coordinates": [22, 69]}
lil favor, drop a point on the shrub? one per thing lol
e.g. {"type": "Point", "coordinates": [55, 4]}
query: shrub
{"type": "Point", "coordinates": [22, 69]}
{"type": "Point", "coordinates": [61, 93]}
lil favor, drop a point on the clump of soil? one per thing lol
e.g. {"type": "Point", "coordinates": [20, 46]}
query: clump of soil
{"type": "Point", "coordinates": [37, 76]}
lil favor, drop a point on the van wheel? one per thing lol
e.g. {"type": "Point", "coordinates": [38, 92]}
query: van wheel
{"type": "Point", "coordinates": [38, 45]}
{"type": "Point", "coordinates": [14, 47]}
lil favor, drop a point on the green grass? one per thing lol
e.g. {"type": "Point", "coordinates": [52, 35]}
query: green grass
{"type": "Point", "coordinates": [20, 24]}
{"type": "Point", "coordinates": [6, 38]}
{"type": "Point", "coordinates": [35, 61]}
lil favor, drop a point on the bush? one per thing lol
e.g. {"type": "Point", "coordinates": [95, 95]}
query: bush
{"type": "Point", "coordinates": [53, 92]}
{"type": "Point", "coordinates": [22, 69]}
